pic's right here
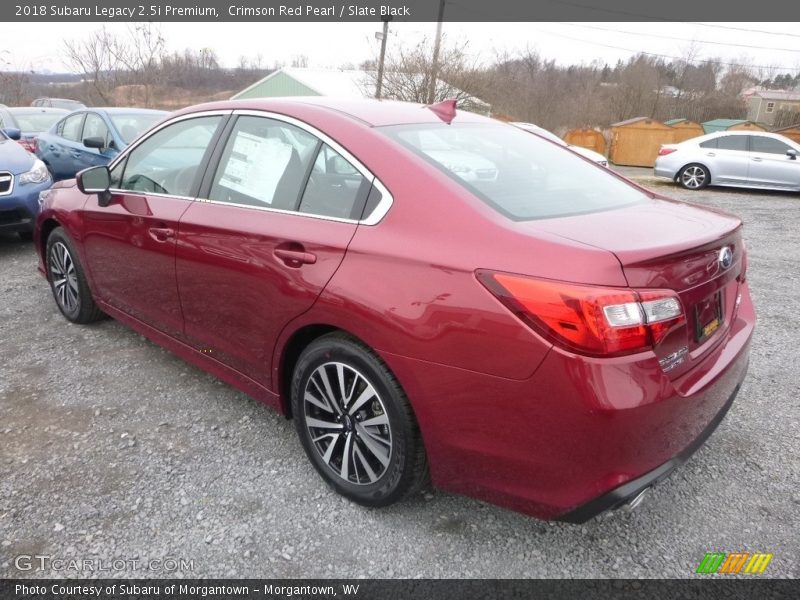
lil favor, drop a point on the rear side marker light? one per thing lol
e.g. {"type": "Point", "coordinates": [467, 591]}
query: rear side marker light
{"type": "Point", "coordinates": [591, 320]}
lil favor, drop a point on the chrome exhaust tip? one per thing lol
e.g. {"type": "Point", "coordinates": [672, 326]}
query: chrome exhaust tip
{"type": "Point", "coordinates": [636, 500]}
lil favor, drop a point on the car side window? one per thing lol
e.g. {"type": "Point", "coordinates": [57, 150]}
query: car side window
{"type": "Point", "coordinates": [71, 130]}
{"type": "Point", "coordinates": [712, 143]}
{"type": "Point", "coordinates": [264, 164]}
{"type": "Point", "coordinates": [767, 145]}
{"type": "Point", "coordinates": [732, 142]}
{"type": "Point", "coordinates": [95, 127]}
{"type": "Point", "coordinates": [167, 161]}
{"type": "Point", "coordinates": [335, 188]}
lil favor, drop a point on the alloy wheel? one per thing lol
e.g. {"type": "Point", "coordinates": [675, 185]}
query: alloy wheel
{"type": "Point", "coordinates": [348, 423]}
{"type": "Point", "coordinates": [64, 277]}
{"type": "Point", "coordinates": [693, 177]}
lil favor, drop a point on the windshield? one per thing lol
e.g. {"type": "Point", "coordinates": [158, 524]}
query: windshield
{"type": "Point", "coordinates": [518, 174]}
{"type": "Point", "coordinates": [130, 125]}
{"type": "Point", "coordinates": [36, 122]}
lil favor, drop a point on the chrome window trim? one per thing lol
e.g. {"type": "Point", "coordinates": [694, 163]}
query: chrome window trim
{"type": "Point", "coordinates": [7, 176]}
{"type": "Point", "coordinates": [143, 138]}
{"type": "Point", "coordinates": [373, 218]}
{"type": "Point", "coordinates": [386, 197]}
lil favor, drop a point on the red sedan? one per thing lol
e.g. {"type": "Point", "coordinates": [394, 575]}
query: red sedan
{"type": "Point", "coordinates": [428, 293]}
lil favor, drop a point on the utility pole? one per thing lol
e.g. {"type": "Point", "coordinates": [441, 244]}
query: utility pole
{"type": "Point", "coordinates": [383, 37]}
{"type": "Point", "coordinates": [435, 62]}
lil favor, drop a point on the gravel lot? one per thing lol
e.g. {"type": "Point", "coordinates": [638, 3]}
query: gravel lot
{"type": "Point", "coordinates": [112, 448]}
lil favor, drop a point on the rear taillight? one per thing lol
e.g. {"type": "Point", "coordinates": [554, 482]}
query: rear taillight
{"type": "Point", "coordinates": [664, 151]}
{"type": "Point", "coordinates": [29, 144]}
{"type": "Point", "coordinates": [586, 319]}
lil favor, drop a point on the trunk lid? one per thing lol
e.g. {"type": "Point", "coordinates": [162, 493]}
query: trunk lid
{"type": "Point", "coordinates": [664, 244]}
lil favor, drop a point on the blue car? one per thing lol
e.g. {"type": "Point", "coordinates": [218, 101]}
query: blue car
{"type": "Point", "coordinates": [22, 177]}
{"type": "Point", "coordinates": [90, 137]}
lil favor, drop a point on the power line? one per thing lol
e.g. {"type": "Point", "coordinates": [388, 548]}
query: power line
{"type": "Point", "coordinates": [727, 64]}
{"type": "Point", "coordinates": [670, 37]}
{"type": "Point", "coordinates": [714, 25]}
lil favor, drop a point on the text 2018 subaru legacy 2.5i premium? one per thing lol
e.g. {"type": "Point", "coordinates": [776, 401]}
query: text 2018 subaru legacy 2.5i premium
{"type": "Point", "coordinates": [427, 293]}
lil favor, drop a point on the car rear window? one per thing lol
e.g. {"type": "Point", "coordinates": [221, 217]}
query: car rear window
{"type": "Point", "coordinates": [518, 174]}
{"type": "Point", "coordinates": [130, 125]}
{"type": "Point", "coordinates": [36, 122]}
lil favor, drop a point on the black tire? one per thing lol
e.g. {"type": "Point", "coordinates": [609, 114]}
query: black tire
{"type": "Point", "coordinates": [694, 176]}
{"type": "Point", "coordinates": [25, 236]}
{"type": "Point", "coordinates": [73, 296]}
{"type": "Point", "coordinates": [366, 479]}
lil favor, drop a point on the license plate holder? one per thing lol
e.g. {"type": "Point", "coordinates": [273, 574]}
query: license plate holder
{"type": "Point", "coordinates": [707, 317]}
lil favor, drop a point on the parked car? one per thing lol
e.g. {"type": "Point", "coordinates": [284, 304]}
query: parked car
{"type": "Point", "coordinates": [22, 177]}
{"type": "Point", "coordinates": [6, 120]}
{"type": "Point", "coordinates": [32, 122]}
{"type": "Point", "coordinates": [554, 339]}
{"type": "Point", "coordinates": [58, 103]}
{"type": "Point", "coordinates": [86, 138]}
{"type": "Point", "coordinates": [732, 158]}
{"type": "Point", "coordinates": [590, 154]}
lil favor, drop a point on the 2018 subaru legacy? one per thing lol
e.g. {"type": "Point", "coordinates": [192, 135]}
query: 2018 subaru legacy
{"type": "Point", "coordinates": [429, 294]}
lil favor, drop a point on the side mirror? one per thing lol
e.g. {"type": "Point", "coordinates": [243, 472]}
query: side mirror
{"type": "Point", "coordinates": [792, 154]}
{"type": "Point", "coordinates": [13, 133]}
{"type": "Point", "coordinates": [95, 180]}
{"type": "Point", "coordinates": [94, 142]}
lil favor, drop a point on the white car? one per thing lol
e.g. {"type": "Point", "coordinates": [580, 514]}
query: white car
{"type": "Point", "coordinates": [585, 152]}
{"type": "Point", "coordinates": [732, 158]}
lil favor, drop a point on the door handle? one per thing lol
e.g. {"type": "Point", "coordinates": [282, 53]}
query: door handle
{"type": "Point", "coordinates": [710, 154]}
{"type": "Point", "coordinates": [295, 258]}
{"type": "Point", "coordinates": [757, 159]}
{"type": "Point", "coordinates": [161, 234]}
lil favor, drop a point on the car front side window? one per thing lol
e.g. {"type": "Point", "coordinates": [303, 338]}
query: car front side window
{"type": "Point", "coordinates": [71, 130]}
{"type": "Point", "coordinates": [167, 162]}
{"type": "Point", "coordinates": [767, 145]}
{"type": "Point", "coordinates": [95, 127]}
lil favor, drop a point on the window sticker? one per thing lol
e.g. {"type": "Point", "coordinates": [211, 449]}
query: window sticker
{"type": "Point", "coordinates": [256, 165]}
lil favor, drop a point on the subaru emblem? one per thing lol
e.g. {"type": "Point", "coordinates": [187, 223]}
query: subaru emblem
{"type": "Point", "coordinates": [725, 257]}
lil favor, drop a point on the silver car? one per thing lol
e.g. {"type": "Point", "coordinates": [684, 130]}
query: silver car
{"type": "Point", "coordinates": [732, 158]}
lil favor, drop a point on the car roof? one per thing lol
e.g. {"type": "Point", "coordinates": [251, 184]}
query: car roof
{"type": "Point", "coordinates": [119, 110]}
{"type": "Point", "coordinates": [375, 113]}
{"type": "Point", "coordinates": [26, 110]}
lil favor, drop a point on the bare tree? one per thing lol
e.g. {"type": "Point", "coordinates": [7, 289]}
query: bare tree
{"type": "Point", "coordinates": [108, 61]}
{"type": "Point", "coordinates": [409, 71]}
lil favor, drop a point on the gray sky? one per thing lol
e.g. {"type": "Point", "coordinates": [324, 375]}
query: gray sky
{"type": "Point", "coordinates": [38, 46]}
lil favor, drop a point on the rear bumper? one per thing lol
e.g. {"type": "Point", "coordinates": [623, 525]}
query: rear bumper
{"type": "Point", "coordinates": [664, 171]}
{"type": "Point", "coordinates": [578, 437]}
{"type": "Point", "coordinates": [626, 492]}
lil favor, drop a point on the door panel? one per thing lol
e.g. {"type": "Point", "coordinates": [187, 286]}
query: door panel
{"type": "Point", "coordinates": [729, 162]}
{"type": "Point", "coordinates": [770, 166]}
{"type": "Point", "coordinates": [251, 259]}
{"type": "Point", "coordinates": [130, 244]}
{"type": "Point", "coordinates": [130, 252]}
{"type": "Point", "coordinates": [244, 273]}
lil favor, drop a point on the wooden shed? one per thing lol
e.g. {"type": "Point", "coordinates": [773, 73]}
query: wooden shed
{"type": "Point", "coordinates": [586, 137]}
{"type": "Point", "coordinates": [731, 125]}
{"type": "Point", "coordinates": [684, 129]}
{"type": "Point", "coordinates": [792, 132]}
{"type": "Point", "coordinates": [636, 142]}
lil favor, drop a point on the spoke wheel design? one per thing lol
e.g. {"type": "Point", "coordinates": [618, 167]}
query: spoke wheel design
{"type": "Point", "coordinates": [694, 177]}
{"type": "Point", "coordinates": [347, 423]}
{"type": "Point", "coordinates": [64, 277]}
